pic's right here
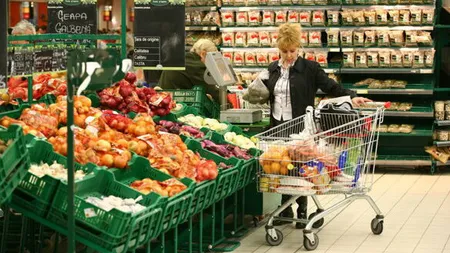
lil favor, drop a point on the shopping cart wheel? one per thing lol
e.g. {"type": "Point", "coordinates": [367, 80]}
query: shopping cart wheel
{"type": "Point", "coordinates": [318, 223]}
{"type": "Point", "coordinates": [308, 244]}
{"type": "Point", "coordinates": [377, 226]}
{"type": "Point", "coordinates": [274, 241]}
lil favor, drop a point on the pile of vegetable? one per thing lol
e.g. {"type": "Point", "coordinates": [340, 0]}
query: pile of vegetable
{"type": "Point", "coordinates": [4, 145]}
{"type": "Point", "coordinates": [226, 150]}
{"type": "Point", "coordinates": [167, 188]}
{"type": "Point", "coordinates": [179, 128]}
{"type": "Point", "coordinates": [111, 202]}
{"type": "Point", "coordinates": [42, 84]}
{"type": "Point", "coordinates": [55, 170]}
{"type": "Point", "coordinates": [239, 140]}
{"type": "Point", "coordinates": [199, 122]}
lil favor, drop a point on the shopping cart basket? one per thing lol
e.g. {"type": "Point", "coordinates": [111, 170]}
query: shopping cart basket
{"type": "Point", "coordinates": [326, 151]}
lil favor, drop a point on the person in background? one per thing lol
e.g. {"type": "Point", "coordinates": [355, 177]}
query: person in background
{"type": "Point", "coordinates": [195, 70]}
{"type": "Point", "coordinates": [293, 83]}
{"type": "Point", "coordinates": [23, 28]}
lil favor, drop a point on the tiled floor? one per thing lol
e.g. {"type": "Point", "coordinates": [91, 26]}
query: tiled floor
{"type": "Point", "coordinates": [417, 219]}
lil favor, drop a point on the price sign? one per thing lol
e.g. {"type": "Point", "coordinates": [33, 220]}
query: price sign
{"type": "Point", "coordinates": [22, 61]}
{"type": "Point", "coordinates": [72, 16]}
{"type": "Point", "coordinates": [43, 59]}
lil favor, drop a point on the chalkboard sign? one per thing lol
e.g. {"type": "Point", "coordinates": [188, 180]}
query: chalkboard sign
{"type": "Point", "coordinates": [43, 59]}
{"type": "Point", "coordinates": [3, 43]}
{"type": "Point", "coordinates": [22, 61]}
{"type": "Point", "coordinates": [159, 34]}
{"type": "Point", "coordinates": [72, 16]}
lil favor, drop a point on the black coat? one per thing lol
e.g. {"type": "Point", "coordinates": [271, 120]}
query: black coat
{"type": "Point", "coordinates": [305, 78]}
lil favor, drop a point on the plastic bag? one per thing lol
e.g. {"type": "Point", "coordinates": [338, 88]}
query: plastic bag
{"type": "Point", "coordinates": [264, 39]}
{"type": "Point", "coordinates": [372, 59]}
{"type": "Point", "coordinates": [257, 92]}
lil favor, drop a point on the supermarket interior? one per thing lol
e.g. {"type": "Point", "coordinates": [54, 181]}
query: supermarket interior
{"type": "Point", "coordinates": [224, 126]}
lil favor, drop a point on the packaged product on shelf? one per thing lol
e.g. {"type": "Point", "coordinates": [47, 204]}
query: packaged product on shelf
{"type": "Point", "coordinates": [268, 18]}
{"type": "Point", "coordinates": [293, 17]}
{"type": "Point", "coordinates": [227, 18]}
{"type": "Point", "coordinates": [364, 82]}
{"type": "Point", "coordinates": [318, 18]}
{"type": "Point", "coordinates": [315, 38]}
{"type": "Point", "coordinates": [333, 38]}
{"type": "Point", "coordinates": [427, 16]}
{"type": "Point", "coordinates": [377, 84]}
{"type": "Point", "coordinates": [396, 59]}
{"type": "Point", "coordinates": [253, 39]}
{"type": "Point", "coordinates": [310, 56]}
{"type": "Point", "coordinates": [187, 18]}
{"type": "Point", "coordinates": [416, 16]}
{"type": "Point", "coordinates": [286, 2]}
{"type": "Point", "coordinates": [304, 38]}
{"type": "Point", "coordinates": [371, 2]}
{"type": "Point", "coordinates": [262, 59]}
{"type": "Point", "coordinates": [393, 1]}
{"type": "Point", "coordinates": [411, 38]}
{"type": "Point", "coordinates": [274, 56]}
{"type": "Point", "coordinates": [228, 39]}
{"type": "Point", "coordinates": [252, 2]}
{"type": "Point", "coordinates": [239, 2]}
{"type": "Point", "coordinates": [382, 17]}
{"type": "Point", "coordinates": [419, 59]}
{"type": "Point", "coordinates": [404, 107]}
{"type": "Point", "coordinates": [396, 38]}
{"type": "Point", "coordinates": [383, 128]}
{"type": "Point", "coordinates": [308, 2]}
{"type": "Point", "coordinates": [349, 59]}
{"type": "Point", "coordinates": [264, 39]}
{"type": "Point", "coordinates": [361, 59]}
{"type": "Point", "coordinates": [423, 38]}
{"type": "Point", "coordinates": [242, 18]}
{"type": "Point", "coordinates": [263, 2]}
{"type": "Point", "coordinates": [227, 2]}
{"type": "Point", "coordinates": [347, 38]}
{"type": "Point", "coordinates": [297, 2]}
{"type": "Point", "coordinates": [437, 154]}
{"type": "Point", "coordinates": [254, 18]}
{"type": "Point", "coordinates": [347, 2]}
{"type": "Point", "coordinates": [280, 17]}
{"type": "Point", "coordinates": [394, 128]}
{"type": "Point", "coordinates": [321, 58]}
{"type": "Point", "coordinates": [383, 2]}
{"type": "Point", "coordinates": [333, 18]}
{"type": "Point", "coordinates": [211, 18]}
{"type": "Point", "coordinates": [238, 59]}
{"type": "Point", "coordinates": [347, 17]}
{"type": "Point", "coordinates": [228, 55]}
{"type": "Point", "coordinates": [240, 39]}
{"type": "Point", "coordinates": [405, 17]}
{"type": "Point", "coordinates": [273, 2]}
{"type": "Point", "coordinates": [358, 18]}
{"type": "Point", "coordinates": [394, 17]}
{"type": "Point", "coordinates": [439, 110]}
{"type": "Point", "coordinates": [372, 60]}
{"type": "Point", "coordinates": [371, 39]}
{"type": "Point", "coordinates": [442, 135]}
{"type": "Point", "coordinates": [360, 1]}
{"type": "Point", "coordinates": [407, 129]}
{"type": "Point", "coordinates": [358, 38]}
{"type": "Point", "coordinates": [197, 17]}
{"type": "Point", "coordinates": [273, 38]}
{"type": "Point", "coordinates": [250, 59]}
{"type": "Point", "coordinates": [399, 84]}
{"type": "Point", "coordinates": [383, 38]}
{"type": "Point", "coordinates": [370, 17]}
{"type": "Point", "coordinates": [321, 2]}
{"type": "Point", "coordinates": [429, 58]}
{"type": "Point", "coordinates": [384, 58]}
{"type": "Point", "coordinates": [305, 18]}
{"type": "Point", "coordinates": [447, 110]}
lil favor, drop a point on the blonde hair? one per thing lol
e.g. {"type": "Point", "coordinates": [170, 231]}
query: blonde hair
{"type": "Point", "coordinates": [203, 45]}
{"type": "Point", "coordinates": [23, 28]}
{"type": "Point", "coordinates": [288, 36]}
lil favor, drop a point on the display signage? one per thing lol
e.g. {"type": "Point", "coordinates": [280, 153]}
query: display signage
{"type": "Point", "coordinates": [72, 16]}
{"type": "Point", "coordinates": [21, 61]}
{"type": "Point", "coordinates": [3, 43]}
{"type": "Point", "coordinates": [159, 35]}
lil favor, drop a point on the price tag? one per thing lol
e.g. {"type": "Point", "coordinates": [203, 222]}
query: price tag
{"type": "Point", "coordinates": [426, 71]}
{"type": "Point", "coordinates": [89, 213]}
{"type": "Point", "coordinates": [362, 91]}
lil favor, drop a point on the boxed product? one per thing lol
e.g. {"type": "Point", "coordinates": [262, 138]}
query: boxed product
{"type": "Point", "coordinates": [240, 39]}
{"type": "Point", "coordinates": [372, 60]}
{"type": "Point", "coordinates": [383, 38]}
{"type": "Point", "coordinates": [384, 58]}
{"type": "Point", "coordinates": [411, 38]}
{"type": "Point", "coordinates": [427, 16]}
{"type": "Point", "coordinates": [310, 56]}
{"type": "Point", "coordinates": [228, 39]}
{"type": "Point", "coordinates": [253, 39]}
{"type": "Point", "coordinates": [423, 38]}
{"type": "Point", "coordinates": [416, 16]}
{"type": "Point", "coordinates": [273, 56]}
{"type": "Point", "coordinates": [268, 18]}
{"type": "Point", "coordinates": [349, 59]}
{"type": "Point", "coordinates": [396, 38]}
{"type": "Point", "coordinates": [228, 55]}
{"type": "Point", "coordinates": [264, 39]}
{"type": "Point", "coordinates": [242, 18]}
{"type": "Point", "coordinates": [274, 38]}
{"type": "Point", "coordinates": [347, 17]}
{"type": "Point", "coordinates": [333, 38]}
{"type": "Point", "coordinates": [318, 18]}
{"type": "Point", "coordinates": [305, 18]}
{"type": "Point", "coordinates": [361, 60]}
{"type": "Point", "coordinates": [358, 18]}
{"type": "Point", "coordinates": [250, 59]}
{"type": "Point", "coordinates": [333, 18]}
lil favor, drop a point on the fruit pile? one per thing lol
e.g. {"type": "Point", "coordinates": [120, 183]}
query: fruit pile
{"type": "Point", "coordinates": [42, 84]}
{"type": "Point", "coordinates": [167, 188]}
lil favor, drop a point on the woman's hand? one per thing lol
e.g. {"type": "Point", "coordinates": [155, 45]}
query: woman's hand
{"type": "Point", "coordinates": [360, 100]}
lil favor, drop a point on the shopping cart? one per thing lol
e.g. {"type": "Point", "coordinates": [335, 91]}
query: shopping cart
{"type": "Point", "coordinates": [326, 151]}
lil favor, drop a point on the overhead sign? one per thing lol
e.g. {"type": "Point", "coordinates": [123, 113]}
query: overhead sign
{"type": "Point", "coordinates": [72, 16]}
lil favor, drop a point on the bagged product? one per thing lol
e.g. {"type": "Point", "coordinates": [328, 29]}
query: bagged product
{"type": "Point", "coordinates": [187, 18]}
{"type": "Point", "coordinates": [257, 92]}
{"type": "Point", "coordinates": [371, 39]}
{"type": "Point", "coordinates": [262, 59]}
{"type": "Point", "coordinates": [394, 17]}
{"type": "Point", "coordinates": [408, 58]}
{"type": "Point", "coordinates": [252, 2]}
{"type": "Point", "coordinates": [318, 18]}
{"type": "Point", "coordinates": [384, 58]}
{"type": "Point", "coordinates": [321, 2]}
{"type": "Point", "coordinates": [286, 2]}
{"type": "Point", "coordinates": [349, 59]}
{"type": "Point", "coordinates": [305, 18]}
{"type": "Point", "coordinates": [372, 60]}
{"type": "Point", "coordinates": [427, 16]}
{"type": "Point", "coordinates": [196, 18]}
{"type": "Point", "coordinates": [361, 60]}
{"type": "Point", "coordinates": [419, 59]}
{"type": "Point", "coordinates": [254, 18]}
{"type": "Point", "coordinates": [360, 1]}
{"type": "Point", "coordinates": [304, 38]}
{"type": "Point", "coordinates": [268, 18]}
{"type": "Point", "coordinates": [416, 16]}
{"type": "Point", "coordinates": [293, 17]}
{"type": "Point", "coordinates": [238, 59]}
{"type": "Point", "coordinates": [405, 17]}
{"type": "Point", "coordinates": [253, 39]}
{"type": "Point", "coordinates": [274, 56]}
{"type": "Point", "coordinates": [392, 2]}
{"type": "Point", "coordinates": [347, 17]}
{"type": "Point", "coordinates": [211, 18]}
{"type": "Point", "coordinates": [371, 2]}
{"type": "Point", "coordinates": [377, 84]}
{"type": "Point", "coordinates": [240, 39]}
{"type": "Point", "coordinates": [310, 56]}
{"type": "Point", "coordinates": [315, 38]}
{"type": "Point", "coordinates": [228, 55]}
{"type": "Point", "coordinates": [297, 2]}
{"type": "Point", "coordinates": [280, 17]}
{"type": "Point", "coordinates": [383, 2]}
{"type": "Point", "coordinates": [228, 39]}
{"type": "Point", "coordinates": [382, 17]}
{"type": "Point", "coordinates": [358, 38]}
{"type": "Point", "coordinates": [308, 2]}
{"type": "Point", "coordinates": [393, 128]}
{"type": "Point", "coordinates": [263, 2]}
{"type": "Point", "coordinates": [396, 38]}
{"type": "Point", "coordinates": [358, 18]}
{"type": "Point", "coordinates": [347, 2]}
{"type": "Point", "coordinates": [228, 18]}
{"type": "Point", "coordinates": [264, 39]}
{"type": "Point", "coordinates": [411, 38]}
{"type": "Point", "coordinates": [333, 18]}
{"type": "Point", "coordinates": [242, 18]}
{"type": "Point", "coordinates": [347, 38]}
{"type": "Point", "coordinates": [370, 17]}
{"type": "Point", "coordinates": [273, 38]}
{"type": "Point", "coordinates": [429, 58]}
{"type": "Point", "coordinates": [404, 128]}
{"type": "Point", "coordinates": [383, 38]}
{"type": "Point", "coordinates": [321, 58]}
{"type": "Point", "coordinates": [404, 2]}
{"type": "Point", "coordinates": [333, 38]}
{"type": "Point", "coordinates": [250, 59]}
{"type": "Point", "coordinates": [239, 3]}
{"type": "Point", "coordinates": [396, 59]}
{"type": "Point", "coordinates": [424, 38]}
{"type": "Point", "coordinates": [273, 2]}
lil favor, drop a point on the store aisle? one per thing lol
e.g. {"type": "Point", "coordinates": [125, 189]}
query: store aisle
{"type": "Point", "coordinates": [417, 210]}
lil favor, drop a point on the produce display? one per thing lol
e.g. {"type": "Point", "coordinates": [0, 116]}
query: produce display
{"type": "Point", "coordinates": [226, 150]}
{"type": "Point", "coordinates": [199, 122]}
{"type": "Point", "coordinates": [4, 145]}
{"type": "Point", "coordinates": [42, 84]}
{"type": "Point", "coordinates": [178, 128]}
{"type": "Point", "coordinates": [110, 202]}
{"type": "Point", "coordinates": [240, 140]}
{"type": "Point", "coordinates": [168, 188]}
{"type": "Point", "coordinates": [54, 170]}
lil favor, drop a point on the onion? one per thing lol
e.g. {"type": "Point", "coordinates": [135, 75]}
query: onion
{"type": "Point", "coordinates": [130, 77]}
{"type": "Point", "coordinates": [111, 103]}
{"type": "Point", "coordinates": [125, 90]}
{"type": "Point", "coordinates": [166, 101]}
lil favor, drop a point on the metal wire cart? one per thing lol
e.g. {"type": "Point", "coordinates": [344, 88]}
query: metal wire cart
{"type": "Point", "coordinates": [325, 151]}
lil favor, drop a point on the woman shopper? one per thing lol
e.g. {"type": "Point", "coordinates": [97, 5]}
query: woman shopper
{"type": "Point", "coordinates": [293, 83]}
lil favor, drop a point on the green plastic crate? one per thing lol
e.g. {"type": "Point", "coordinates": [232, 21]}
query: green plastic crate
{"type": "Point", "coordinates": [46, 99]}
{"type": "Point", "coordinates": [8, 107]}
{"type": "Point", "coordinates": [36, 194]}
{"type": "Point", "coordinates": [173, 118]}
{"type": "Point", "coordinates": [14, 153]}
{"type": "Point", "coordinates": [226, 181]}
{"type": "Point", "coordinates": [176, 209]}
{"type": "Point", "coordinates": [13, 179]}
{"type": "Point", "coordinates": [15, 114]}
{"type": "Point", "coordinates": [196, 97]}
{"type": "Point", "coordinates": [115, 231]}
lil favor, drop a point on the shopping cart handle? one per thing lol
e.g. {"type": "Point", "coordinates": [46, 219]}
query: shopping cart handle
{"type": "Point", "coordinates": [386, 105]}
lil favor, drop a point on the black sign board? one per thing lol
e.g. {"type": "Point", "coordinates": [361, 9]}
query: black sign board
{"type": "Point", "coordinates": [159, 34]}
{"type": "Point", "coordinates": [72, 16]}
{"type": "Point", "coordinates": [3, 42]}
{"type": "Point", "coordinates": [43, 59]}
{"type": "Point", "coordinates": [21, 61]}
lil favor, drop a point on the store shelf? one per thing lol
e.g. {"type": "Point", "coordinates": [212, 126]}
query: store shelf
{"type": "Point", "coordinates": [414, 133]}
{"type": "Point", "coordinates": [411, 89]}
{"type": "Point", "coordinates": [326, 28]}
{"type": "Point", "coordinates": [442, 122]}
{"type": "Point", "coordinates": [274, 49]}
{"type": "Point", "coordinates": [386, 71]}
{"type": "Point", "coordinates": [259, 69]}
{"type": "Point", "coordinates": [390, 7]}
{"type": "Point", "coordinates": [442, 143]}
{"type": "Point", "coordinates": [403, 49]}
{"type": "Point", "coordinates": [403, 160]}
{"type": "Point", "coordinates": [281, 8]}
{"type": "Point", "coordinates": [201, 28]}
{"type": "Point", "coordinates": [201, 8]}
{"type": "Point", "coordinates": [415, 112]}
